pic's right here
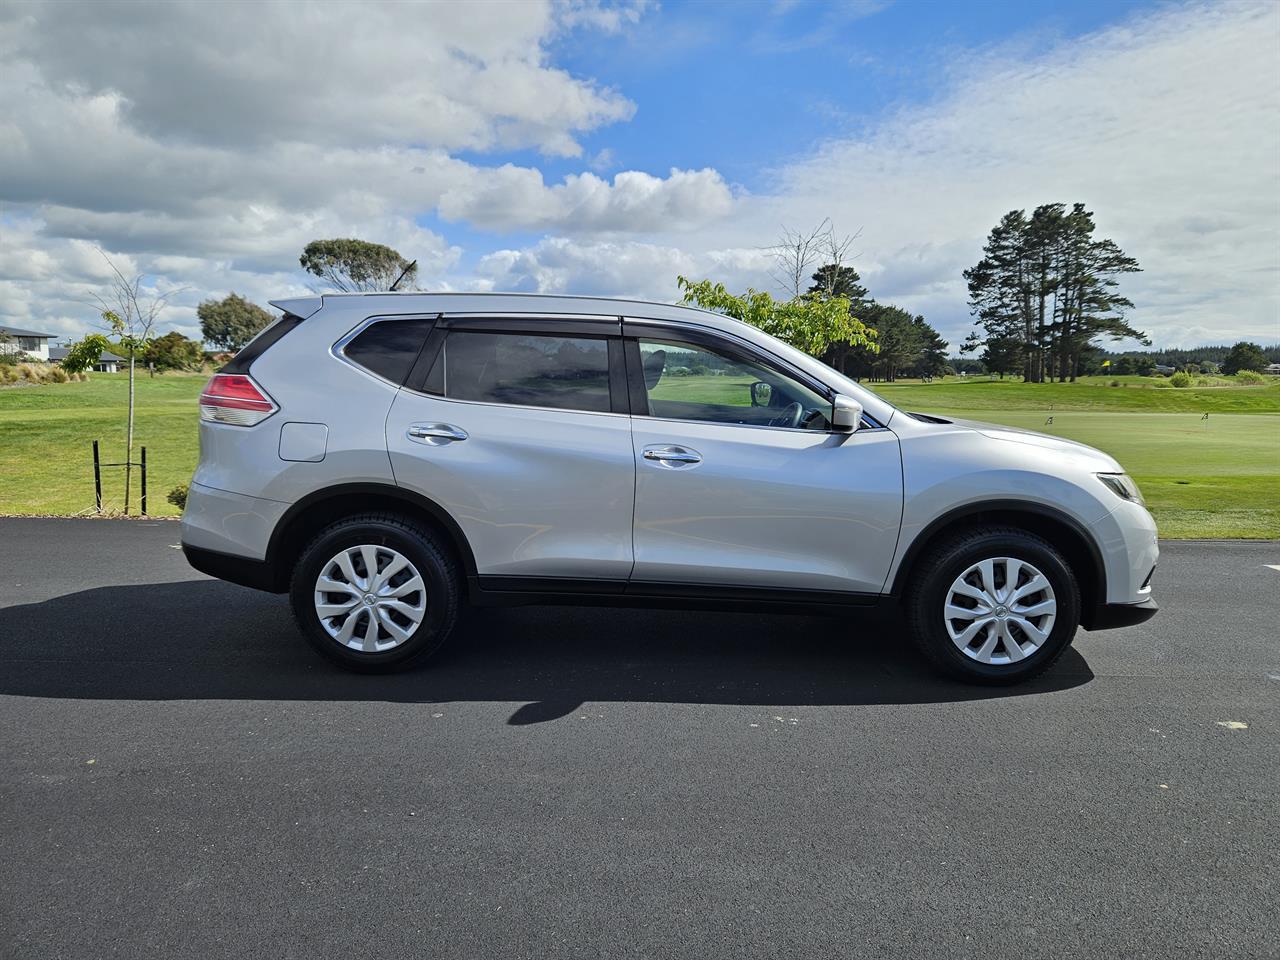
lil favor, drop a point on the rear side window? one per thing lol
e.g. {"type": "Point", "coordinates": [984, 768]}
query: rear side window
{"type": "Point", "coordinates": [528, 370]}
{"type": "Point", "coordinates": [389, 347]}
{"type": "Point", "coordinates": [259, 345]}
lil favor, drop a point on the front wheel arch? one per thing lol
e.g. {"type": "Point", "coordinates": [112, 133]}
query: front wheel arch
{"type": "Point", "coordinates": [1067, 534]}
{"type": "Point", "coordinates": [937, 600]}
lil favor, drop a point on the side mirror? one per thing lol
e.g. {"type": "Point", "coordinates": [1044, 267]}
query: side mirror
{"type": "Point", "coordinates": [846, 413]}
{"type": "Point", "coordinates": [761, 394]}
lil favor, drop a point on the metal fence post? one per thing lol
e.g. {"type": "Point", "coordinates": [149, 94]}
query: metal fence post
{"type": "Point", "coordinates": [144, 481]}
{"type": "Point", "coordinates": [97, 478]}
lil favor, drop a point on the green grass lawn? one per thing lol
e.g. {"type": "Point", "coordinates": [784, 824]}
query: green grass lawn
{"type": "Point", "coordinates": [1140, 394]}
{"type": "Point", "coordinates": [1202, 478]}
{"type": "Point", "coordinates": [46, 432]}
{"type": "Point", "coordinates": [1219, 478]}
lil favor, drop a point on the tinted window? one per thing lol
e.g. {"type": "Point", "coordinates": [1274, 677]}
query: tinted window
{"type": "Point", "coordinates": [569, 373]}
{"type": "Point", "coordinates": [259, 345]}
{"type": "Point", "coordinates": [389, 348]}
{"type": "Point", "coordinates": [687, 382]}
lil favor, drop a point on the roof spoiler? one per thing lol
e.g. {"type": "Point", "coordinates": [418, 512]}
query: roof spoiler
{"type": "Point", "coordinates": [301, 307]}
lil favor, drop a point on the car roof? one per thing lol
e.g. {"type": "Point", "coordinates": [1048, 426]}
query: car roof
{"type": "Point", "coordinates": [501, 302]}
{"type": "Point", "coordinates": [402, 302]}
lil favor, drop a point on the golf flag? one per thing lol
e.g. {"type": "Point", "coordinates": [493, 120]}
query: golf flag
{"type": "Point", "coordinates": [1106, 363]}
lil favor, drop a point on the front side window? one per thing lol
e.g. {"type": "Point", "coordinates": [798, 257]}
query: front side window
{"type": "Point", "coordinates": [688, 382]}
{"type": "Point", "coordinates": [528, 370]}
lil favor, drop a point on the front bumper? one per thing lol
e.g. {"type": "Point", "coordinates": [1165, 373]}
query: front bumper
{"type": "Point", "coordinates": [1130, 550]}
{"type": "Point", "coordinates": [1109, 616]}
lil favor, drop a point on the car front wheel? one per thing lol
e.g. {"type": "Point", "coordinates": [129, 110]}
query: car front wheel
{"type": "Point", "coordinates": [994, 606]}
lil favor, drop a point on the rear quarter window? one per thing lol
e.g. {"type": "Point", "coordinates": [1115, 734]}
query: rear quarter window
{"type": "Point", "coordinates": [260, 344]}
{"type": "Point", "coordinates": [389, 347]}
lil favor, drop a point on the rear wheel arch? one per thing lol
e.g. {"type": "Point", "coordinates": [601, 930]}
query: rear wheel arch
{"type": "Point", "coordinates": [318, 510]}
{"type": "Point", "coordinates": [1069, 536]}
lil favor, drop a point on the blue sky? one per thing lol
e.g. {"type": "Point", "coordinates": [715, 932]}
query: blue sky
{"type": "Point", "coordinates": [743, 87]}
{"type": "Point", "coordinates": [605, 146]}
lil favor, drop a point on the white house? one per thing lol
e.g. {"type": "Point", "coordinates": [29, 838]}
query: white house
{"type": "Point", "coordinates": [34, 345]}
{"type": "Point", "coordinates": [1272, 368]}
{"type": "Point", "coordinates": [107, 362]}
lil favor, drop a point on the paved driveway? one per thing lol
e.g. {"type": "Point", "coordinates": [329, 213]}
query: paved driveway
{"type": "Point", "coordinates": [181, 777]}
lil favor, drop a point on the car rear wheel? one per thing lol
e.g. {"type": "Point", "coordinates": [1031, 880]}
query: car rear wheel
{"type": "Point", "coordinates": [994, 606]}
{"type": "Point", "coordinates": [373, 592]}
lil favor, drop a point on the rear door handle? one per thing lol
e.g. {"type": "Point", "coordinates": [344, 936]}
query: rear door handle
{"type": "Point", "coordinates": [435, 433]}
{"type": "Point", "coordinates": [672, 455]}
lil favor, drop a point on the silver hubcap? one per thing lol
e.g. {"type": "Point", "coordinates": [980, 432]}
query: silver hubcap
{"type": "Point", "coordinates": [370, 598]}
{"type": "Point", "coordinates": [1000, 611]}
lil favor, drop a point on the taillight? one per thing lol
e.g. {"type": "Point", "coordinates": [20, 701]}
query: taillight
{"type": "Point", "coordinates": [234, 398]}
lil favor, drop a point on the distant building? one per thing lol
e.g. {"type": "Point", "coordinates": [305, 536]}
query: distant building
{"type": "Point", "coordinates": [107, 362]}
{"type": "Point", "coordinates": [1165, 371]}
{"type": "Point", "coordinates": [29, 342]}
{"type": "Point", "coordinates": [1273, 369]}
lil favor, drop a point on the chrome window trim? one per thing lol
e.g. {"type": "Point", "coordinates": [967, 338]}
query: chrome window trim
{"type": "Point", "coordinates": [513, 406]}
{"type": "Point", "coordinates": [609, 413]}
{"type": "Point", "coordinates": [765, 426]}
{"type": "Point", "coordinates": [531, 315]}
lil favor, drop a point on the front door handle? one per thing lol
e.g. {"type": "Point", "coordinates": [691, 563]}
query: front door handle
{"type": "Point", "coordinates": [672, 455]}
{"type": "Point", "coordinates": [435, 433]}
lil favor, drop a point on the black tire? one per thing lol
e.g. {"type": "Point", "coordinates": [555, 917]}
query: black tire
{"type": "Point", "coordinates": [931, 581]}
{"type": "Point", "coordinates": [423, 549]}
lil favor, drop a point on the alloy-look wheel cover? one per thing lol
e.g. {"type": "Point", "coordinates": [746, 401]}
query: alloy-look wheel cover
{"type": "Point", "coordinates": [1000, 611]}
{"type": "Point", "coordinates": [370, 598]}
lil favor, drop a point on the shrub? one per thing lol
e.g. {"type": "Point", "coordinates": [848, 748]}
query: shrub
{"type": "Point", "coordinates": [178, 496]}
{"type": "Point", "coordinates": [173, 351]}
{"type": "Point", "coordinates": [1244, 356]}
{"type": "Point", "coordinates": [8, 374]}
{"type": "Point", "coordinates": [29, 371]}
{"type": "Point", "coordinates": [58, 375]}
{"type": "Point", "coordinates": [82, 377]}
{"type": "Point", "coordinates": [1180, 379]}
{"type": "Point", "coordinates": [1250, 376]}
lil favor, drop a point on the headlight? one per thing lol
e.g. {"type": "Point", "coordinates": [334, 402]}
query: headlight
{"type": "Point", "coordinates": [1122, 485]}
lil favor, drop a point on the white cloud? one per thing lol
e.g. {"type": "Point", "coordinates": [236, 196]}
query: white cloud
{"type": "Point", "coordinates": [1167, 126]}
{"type": "Point", "coordinates": [613, 268]}
{"type": "Point", "coordinates": [212, 160]}
{"type": "Point", "coordinates": [511, 197]}
{"type": "Point", "coordinates": [609, 18]}
{"type": "Point", "coordinates": [450, 75]}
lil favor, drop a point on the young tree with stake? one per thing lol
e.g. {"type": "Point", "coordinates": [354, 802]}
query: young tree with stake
{"type": "Point", "coordinates": [129, 312]}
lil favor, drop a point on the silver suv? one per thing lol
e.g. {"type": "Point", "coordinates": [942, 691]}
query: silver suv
{"type": "Point", "coordinates": [385, 457]}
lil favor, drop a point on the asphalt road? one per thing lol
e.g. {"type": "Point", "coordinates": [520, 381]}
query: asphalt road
{"type": "Point", "coordinates": [181, 777]}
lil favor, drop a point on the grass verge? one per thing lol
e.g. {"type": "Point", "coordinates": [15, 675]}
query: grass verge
{"type": "Point", "coordinates": [1202, 479]}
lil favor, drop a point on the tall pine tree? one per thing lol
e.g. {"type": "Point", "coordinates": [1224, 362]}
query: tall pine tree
{"type": "Point", "coordinates": [1045, 290]}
